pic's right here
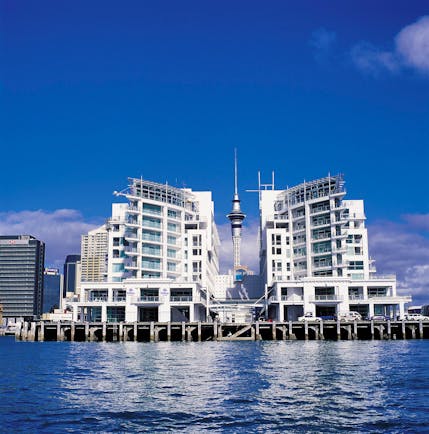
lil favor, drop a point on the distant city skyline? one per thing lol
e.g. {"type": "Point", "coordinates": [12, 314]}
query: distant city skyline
{"type": "Point", "coordinates": [96, 93]}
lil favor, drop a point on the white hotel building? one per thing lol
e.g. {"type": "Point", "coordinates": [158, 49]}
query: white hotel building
{"type": "Point", "coordinates": [161, 257]}
{"type": "Point", "coordinates": [314, 254]}
{"type": "Point", "coordinates": [156, 258]}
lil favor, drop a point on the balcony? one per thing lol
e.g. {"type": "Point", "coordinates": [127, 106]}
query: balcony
{"type": "Point", "coordinates": [119, 299]}
{"type": "Point", "coordinates": [325, 252]}
{"type": "Point", "coordinates": [321, 210]}
{"type": "Point", "coordinates": [322, 266]}
{"type": "Point", "coordinates": [131, 266]}
{"type": "Point", "coordinates": [356, 297]}
{"type": "Point", "coordinates": [328, 298]}
{"type": "Point", "coordinates": [151, 224]}
{"type": "Point", "coordinates": [133, 209]}
{"type": "Point", "coordinates": [322, 236]}
{"type": "Point", "coordinates": [383, 277]}
{"type": "Point", "coordinates": [181, 298]}
{"type": "Point", "coordinates": [132, 223]}
{"type": "Point", "coordinates": [131, 250]}
{"type": "Point", "coordinates": [151, 237]}
{"type": "Point", "coordinates": [99, 298]}
{"type": "Point", "coordinates": [287, 298]}
{"type": "Point", "coordinates": [319, 223]}
{"type": "Point", "coordinates": [131, 236]}
{"type": "Point", "coordinates": [148, 299]}
{"type": "Point", "coordinates": [298, 229]}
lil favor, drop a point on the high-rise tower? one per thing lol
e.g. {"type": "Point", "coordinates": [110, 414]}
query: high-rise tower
{"type": "Point", "coordinates": [236, 218]}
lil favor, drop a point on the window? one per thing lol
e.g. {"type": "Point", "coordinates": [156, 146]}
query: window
{"type": "Point", "coordinates": [356, 265]}
{"type": "Point", "coordinates": [151, 209]}
{"type": "Point", "coordinates": [172, 227]}
{"type": "Point", "coordinates": [117, 268]}
{"type": "Point", "coordinates": [173, 214]}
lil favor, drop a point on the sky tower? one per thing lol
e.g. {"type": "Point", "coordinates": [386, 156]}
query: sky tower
{"type": "Point", "coordinates": [236, 218]}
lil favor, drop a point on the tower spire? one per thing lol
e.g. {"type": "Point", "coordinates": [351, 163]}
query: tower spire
{"type": "Point", "coordinates": [235, 173]}
{"type": "Point", "coordinates": [236, 217]}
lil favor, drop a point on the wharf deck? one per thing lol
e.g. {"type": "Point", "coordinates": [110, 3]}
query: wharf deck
{"type": "Point", "coordinates": [216, 331]}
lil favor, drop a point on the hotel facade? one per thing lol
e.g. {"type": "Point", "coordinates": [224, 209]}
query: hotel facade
{"type": "Point", "coordinates": [314, 255]}
{"type": "Point", "coordinates": [161, 258]}
{"type": "Point", "coordinates": [157, 259]}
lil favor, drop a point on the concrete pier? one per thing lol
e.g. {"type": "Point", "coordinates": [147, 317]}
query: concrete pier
{"type": "Point", "coordinates": [216, 331]}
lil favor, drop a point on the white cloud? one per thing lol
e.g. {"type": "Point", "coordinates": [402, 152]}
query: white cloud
{"type": "Point", "coordinates": [249, 246]}
{"type": "Point", "coordinates": [412, 43]}
{"type": "Point", "coordinates": [371, 60]}
{"type": "Point", "coordinates": [60, 230]}
{"type": "Point", "coordinates": [403, 249]}
{"type": "Point", "coordinates": [410, 49]}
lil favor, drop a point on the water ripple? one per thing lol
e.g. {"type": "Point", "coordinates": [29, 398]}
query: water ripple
{"type": "Point", "coordinates": [228, 387]}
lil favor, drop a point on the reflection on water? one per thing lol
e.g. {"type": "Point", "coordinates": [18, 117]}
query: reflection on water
{"type": "Point", "coordinates": [278, 386]}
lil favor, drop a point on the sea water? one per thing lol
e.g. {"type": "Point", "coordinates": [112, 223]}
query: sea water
{"type": "Point", "coordinates": [216, 387]}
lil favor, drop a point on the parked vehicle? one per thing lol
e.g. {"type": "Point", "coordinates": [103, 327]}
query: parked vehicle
{"type": "Point", "coordinates": [351, 316]}
{"type": "Point", "coordinates": [416, 317]}
{"type": "Point", "coordinates": [328, 317]}
{"type": "Point", "coordinates": [308, 316]}
{"type": "Point", "coordinates": [380, 317]}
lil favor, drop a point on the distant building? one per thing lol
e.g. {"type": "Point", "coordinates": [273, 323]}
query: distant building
{"type": "Point", "coordinates": [71, 274]}
{"type": "Point", "coordinates": [52, 285]}
{"type": "Point", "coordinates": [21, 276]}
{"type": "Point", "coordinates": [94, 254]}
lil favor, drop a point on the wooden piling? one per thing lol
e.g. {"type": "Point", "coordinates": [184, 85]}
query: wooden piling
{"type": "Point", "coordinates": [41, 335]}
{"type": "Point", "coordinates": [183, 332]}
{"type": "Point", "coordinates": [152, 332]}
{"type": "Point", "coordinates": [72, 331]}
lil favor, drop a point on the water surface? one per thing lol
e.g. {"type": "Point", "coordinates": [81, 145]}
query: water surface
{"type": "Point", "coordinates": [217, 387]}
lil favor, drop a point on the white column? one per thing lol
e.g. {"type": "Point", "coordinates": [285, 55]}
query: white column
{"type": "Point", "coordinates": [103, 313]}
{"type": "Point", "coordinates": [75, 312]}
{"type": "Point", "coordinates": [281, 312]}
{"type": "Point", "coordinates": [192, 312]}
{"type": "Point", "coordinates": [371, 310]}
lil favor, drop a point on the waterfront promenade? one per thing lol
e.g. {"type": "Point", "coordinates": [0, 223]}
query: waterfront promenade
{"type": "Point", "coordinates": [216, 331]}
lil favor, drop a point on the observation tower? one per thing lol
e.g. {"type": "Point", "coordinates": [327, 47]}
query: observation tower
{"type": "Point", "coordinates": [236, 218]}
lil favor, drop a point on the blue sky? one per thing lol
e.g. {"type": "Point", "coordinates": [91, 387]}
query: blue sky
{"type": "Point", "coordinates": [94, 92]}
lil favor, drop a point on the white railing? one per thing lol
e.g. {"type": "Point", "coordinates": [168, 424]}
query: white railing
{"type": "Point", "coordinates": [150, 298]}
{"type": "Point", "coordinates": [181, 298]}
{"type": "Point", "coordinates": [330, 297]}
{"type": "Point", "coordinates": [356, 297]}
{"type": "Point", "coordinates": [383, 277]}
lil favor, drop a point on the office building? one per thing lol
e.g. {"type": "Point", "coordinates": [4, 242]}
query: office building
{"type": "Point", "coordinates": [71, 274]}
{"type": "Point", "coordinates": [52, 283]}
{"type": "Point", "coordinates": [94, 255]}
{"type": "Point", "coordinates": [21, 276]}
